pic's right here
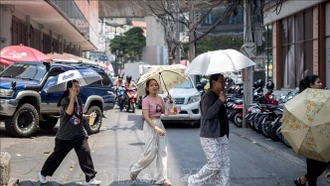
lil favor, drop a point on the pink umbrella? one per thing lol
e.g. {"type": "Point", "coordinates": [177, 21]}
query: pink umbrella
{"type": "Point", "coordinates": [18, 53]}
{"type": "Point", "coordinates": [5, 62]}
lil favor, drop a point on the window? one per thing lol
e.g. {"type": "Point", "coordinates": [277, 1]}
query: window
{"type": "Point", "coordinates": [269, 52]}
{"type": "Point", "coordinates": [29, 71]}
{"type": "Point", "coordinates": [327, 46]}
{"type": "Point", "coordinates": [297, 48]}
{"type": "Point", "coordinates": [105, 81]}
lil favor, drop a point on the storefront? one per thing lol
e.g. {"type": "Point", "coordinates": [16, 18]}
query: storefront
{"type": "Point", "coordinates": [298, 42]}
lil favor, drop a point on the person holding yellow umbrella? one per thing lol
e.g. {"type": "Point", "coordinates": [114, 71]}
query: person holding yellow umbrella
{"type": "Point", "coordinates": [314, 167]}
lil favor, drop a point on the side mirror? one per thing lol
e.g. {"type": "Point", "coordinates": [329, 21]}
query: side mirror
{"type": "Point", "coordinates": [47, 64]}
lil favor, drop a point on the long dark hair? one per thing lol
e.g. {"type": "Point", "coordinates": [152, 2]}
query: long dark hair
{"type": "Point", "coordinates": [147, 85]}
{"type": "Point", "coordinates": [214, 77]}
{"type": "Point", "coordinates": [306, 82]}
{"type": "Point", "coordinates": [66, 92]}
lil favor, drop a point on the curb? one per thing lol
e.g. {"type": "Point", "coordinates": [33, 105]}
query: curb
{"type": "Point", "coordinates": [280, 154]}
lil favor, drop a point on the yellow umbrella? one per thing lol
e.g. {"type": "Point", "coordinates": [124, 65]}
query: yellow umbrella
{"type": "Point", "coordinates": [167, 76]}
{"type": "Point", "coordinates": [306, 124]}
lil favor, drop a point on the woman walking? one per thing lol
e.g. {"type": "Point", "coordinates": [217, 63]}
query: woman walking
{"type": "Point", "coordinates": [214, 135]}
{"type": "Point", "coordinates": [156, 146]}
{"type": "Point", "coordinates": [71, 135]}
{"type": "Point", "coordinates": [314, 168]}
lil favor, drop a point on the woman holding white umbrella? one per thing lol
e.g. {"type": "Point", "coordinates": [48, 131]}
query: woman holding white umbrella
{"type": "Point", "coordinates": [214, 135]}
{"type": "Point", "coordinates": [71, 135]}
{"type": "Point", "coordinates": [214, 122]}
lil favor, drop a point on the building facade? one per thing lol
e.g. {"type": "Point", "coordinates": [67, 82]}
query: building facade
{"type": "Point", "coordinates": [298, 41]}
{"type": "Point", "coordinates": [50, 25]}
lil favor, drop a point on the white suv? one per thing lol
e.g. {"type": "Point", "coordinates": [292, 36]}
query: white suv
{"type": "Point", "coordinates": [187, 98]}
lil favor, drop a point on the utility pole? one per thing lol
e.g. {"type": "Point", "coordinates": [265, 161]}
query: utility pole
{"type": "Point", "coordinates": [247, 50]}
{"type": "Point", "coordinates": [192, 20]}
{"type": "Point", "coordinates": [177, 35]}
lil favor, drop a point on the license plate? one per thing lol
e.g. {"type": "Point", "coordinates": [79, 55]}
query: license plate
{"type": "Point", "coordinates": [179, 108]}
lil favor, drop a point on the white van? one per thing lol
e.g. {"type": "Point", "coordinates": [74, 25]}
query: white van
{"type": "Point", "coordinates": [187, 98]}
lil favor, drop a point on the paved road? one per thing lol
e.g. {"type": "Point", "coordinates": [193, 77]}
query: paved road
{"type": "Point", "coordinates": [255, 161]}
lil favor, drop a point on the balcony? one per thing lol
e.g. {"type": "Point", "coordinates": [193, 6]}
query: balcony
{"type": "Point", "coordinates": [70, 9]}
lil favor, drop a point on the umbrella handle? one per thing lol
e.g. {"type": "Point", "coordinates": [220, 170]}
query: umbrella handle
{"type": "Point", "coordinates": [160, 74]}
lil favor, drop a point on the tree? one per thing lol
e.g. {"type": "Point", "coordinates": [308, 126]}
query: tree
{"type": "Point", "coordinates": [128, 47]}
{"type": "Point", "coordinates": [173, 14]}
{"type": "Point", "coordinates": [209, 43]}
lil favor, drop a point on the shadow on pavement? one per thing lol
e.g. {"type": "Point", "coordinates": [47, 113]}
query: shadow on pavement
{"type": "Point", "coordinates": [178, 125]}
{"type": "Point", "coordinates": [137, 182]}
{"type": "Point", "coordinates": [39, 133]}
{"type": "Point", "coordinates": [50, 183]}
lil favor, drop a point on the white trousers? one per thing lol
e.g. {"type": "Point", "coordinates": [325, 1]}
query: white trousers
{"type": "Point", "coordinates": [218, 163]}
{"type": "Point", "coordinates": [155, 147]}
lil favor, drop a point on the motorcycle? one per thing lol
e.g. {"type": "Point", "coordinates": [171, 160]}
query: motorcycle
{"type": "Point", "coordinates": [130, 99]}
{"type": "Point", "coordinates": [120, 95]}
{"type": "Point", "coordinates": [235, 110]}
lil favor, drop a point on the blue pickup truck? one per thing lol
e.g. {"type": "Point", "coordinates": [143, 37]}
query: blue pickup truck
{"type": "Point", "coordinates": [24, 106]}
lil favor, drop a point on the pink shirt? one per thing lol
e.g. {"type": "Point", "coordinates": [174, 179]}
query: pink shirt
{"type": "Point", "coordinates": [154, 105]}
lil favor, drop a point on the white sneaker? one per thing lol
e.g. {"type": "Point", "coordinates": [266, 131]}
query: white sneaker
{"type": "Point", "coordinates": [42, 178]}
{"type": "Point", "coordinates": [94, 182]}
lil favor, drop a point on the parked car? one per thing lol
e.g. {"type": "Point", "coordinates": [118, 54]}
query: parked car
{"type": "Point", "coordinates": [187, 98]}
{"type": "Point", "coordinates": [25, 106]}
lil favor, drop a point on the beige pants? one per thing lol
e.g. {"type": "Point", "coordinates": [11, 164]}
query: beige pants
{"type": "Point", "coordinates": [155, 147]}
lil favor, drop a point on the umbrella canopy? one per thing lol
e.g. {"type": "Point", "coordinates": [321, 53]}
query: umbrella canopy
{"type": "Point", "coordinates": [218, 61]}
{"type": "Point", "coordinates": [60, 57]}
{"type": "Point", "coordinates": [167, 77]}
{"type": "Point", "coordinates": [84, 76]}
{"type": "Point", "coordinates": [306, 124]}
{"type": "Point", "coordinates": [22, 53]}
{"type": "Point", "coordinates": [5, 62]}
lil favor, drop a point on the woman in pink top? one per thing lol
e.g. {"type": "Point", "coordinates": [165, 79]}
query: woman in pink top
{"type": "Point", "coordinates": [156, 146]}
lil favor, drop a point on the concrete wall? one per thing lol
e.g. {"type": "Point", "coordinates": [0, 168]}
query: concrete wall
{"type": "Point", "coordinates": [155, 32]}
{"type": "Point", "coordinates": [5, 20]}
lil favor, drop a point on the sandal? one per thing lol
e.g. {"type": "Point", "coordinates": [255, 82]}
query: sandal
{"type": "Point", "coordinates": [133, 176]}
{"type": "Point", "coordinates": [297, 182]}
{"type": "Point", "coordinates": [167, 183]}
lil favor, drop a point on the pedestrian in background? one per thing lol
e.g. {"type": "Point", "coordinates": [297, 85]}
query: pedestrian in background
{"type": "Point", "coordinates": [155, 139]}
{"type": "Point", "coordinates": [214, 135]}
{"type": "Point", "coordinates": [314, 168]}
{"type": "Point", "coordinates": [71, 135]}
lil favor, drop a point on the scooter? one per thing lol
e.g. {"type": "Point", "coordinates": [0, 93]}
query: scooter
{"type": "Point", "coordinates": [130, 99]}
{"type": "Point", "coordinates": [120, 95]}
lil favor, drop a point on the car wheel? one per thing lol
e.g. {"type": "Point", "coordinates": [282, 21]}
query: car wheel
{"type": "Point", "coordinates": [24, 122]}
{"type": "Point", "coordinates": [49, 122]}
{"type": "Point", "coordinates": [94, 127]}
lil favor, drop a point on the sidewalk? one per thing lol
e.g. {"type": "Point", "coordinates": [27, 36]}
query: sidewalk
{"type": "Point", "coordinates": [277, 148]}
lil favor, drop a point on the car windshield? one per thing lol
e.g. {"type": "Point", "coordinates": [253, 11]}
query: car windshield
{"type": "Point", "coordinates": [25, 71]}
{"type": "Point", "coordinates": [187, 84]}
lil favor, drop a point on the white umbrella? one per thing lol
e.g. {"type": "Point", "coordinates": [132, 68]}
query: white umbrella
{"type": "Point", "coordinates": [218, 61]}
{"type": "Point", "coordinates": [167, 76]}
{"type": "Point", "coordinates": [84, 76]}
